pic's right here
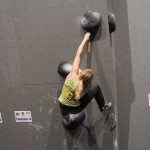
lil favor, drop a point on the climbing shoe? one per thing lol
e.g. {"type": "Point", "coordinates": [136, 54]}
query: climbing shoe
{"type": "Point", "coordinates": [106, 106]}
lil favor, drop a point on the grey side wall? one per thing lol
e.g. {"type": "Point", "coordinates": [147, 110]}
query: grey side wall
{"type": "Point", "coordinates": [132, 73]}
{"type": "Point", "coordinates": [35, 36]}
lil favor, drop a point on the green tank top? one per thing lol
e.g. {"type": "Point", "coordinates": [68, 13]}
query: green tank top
{"type": "Point", "coordinates": [67, 96]}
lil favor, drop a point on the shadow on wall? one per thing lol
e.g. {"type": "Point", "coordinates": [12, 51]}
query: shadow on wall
{"type": "Point", "coordinates": [75, 139]}
{"type": "Point", "coordinates": [124, 83]}
{"type": "Point", "coordinates": [107, 142]}
{"type": "Point", "coordinates": [82, 137]}
{"type": "Point", "coordinates": [95, 138]}
{"type": "Point", "coordinates": [101, 126]}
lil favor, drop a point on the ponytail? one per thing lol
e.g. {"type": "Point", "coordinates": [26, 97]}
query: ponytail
{"type": "Point", "coordinates": [79, 90]}
{"type": "Point", "coordinates": [85, 79]}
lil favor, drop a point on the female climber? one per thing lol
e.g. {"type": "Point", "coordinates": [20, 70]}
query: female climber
{"type": "Point", "coordinates": [77, 92]}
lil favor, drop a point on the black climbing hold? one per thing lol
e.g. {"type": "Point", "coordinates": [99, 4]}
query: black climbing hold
{"type": "Point", "coordinates": [64, 68]}
{"type": "Point", "coordinates": [71, 121]}
{"type": "Point", "coordinates": [91, 22]}
{"type": "Point", "coordinates": [112, 22]}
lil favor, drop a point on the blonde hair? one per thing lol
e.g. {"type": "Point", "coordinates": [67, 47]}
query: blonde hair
{"type": "Point", "coordinates": [85, 78]}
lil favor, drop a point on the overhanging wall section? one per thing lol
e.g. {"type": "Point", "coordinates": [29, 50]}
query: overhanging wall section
{"type": "Point", "coordinates": [132, 73]}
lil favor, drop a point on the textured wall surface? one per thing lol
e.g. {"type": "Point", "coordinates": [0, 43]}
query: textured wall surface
{"type": "Point", "coordinates": [132, 73]}
{"type": "Point", "coordinates": [35, 36]}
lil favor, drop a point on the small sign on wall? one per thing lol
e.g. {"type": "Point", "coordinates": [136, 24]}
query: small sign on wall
{"type": "Point", "coordinates": [0, 118]}
{"type": "Point", "coordinates": [149, 99]}
{"type": "Point", "coordinates": [23, 116]}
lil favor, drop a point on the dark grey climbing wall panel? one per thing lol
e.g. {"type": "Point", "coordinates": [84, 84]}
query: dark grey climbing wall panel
{"type": "Point", "coordinates": [132, 73]}
{"type": "Point", "coordinates": [34, 37]}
